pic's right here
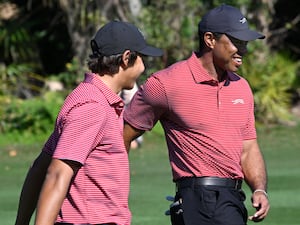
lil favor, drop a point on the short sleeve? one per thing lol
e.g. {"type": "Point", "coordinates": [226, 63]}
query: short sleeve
{"type": "Point", "coordinates": [147, 105]}
{"type": "Point", "coordinates": [83, 129]}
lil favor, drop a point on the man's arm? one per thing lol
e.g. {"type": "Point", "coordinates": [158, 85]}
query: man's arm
{"type": "Point", "coordinates": [54, 190]}
{"type": "Point", "coordinates": [254, 170]}
{"type": "Point", "coordinates": [130, 133]}
{"type": "Point", "coordinates": [31, 189]}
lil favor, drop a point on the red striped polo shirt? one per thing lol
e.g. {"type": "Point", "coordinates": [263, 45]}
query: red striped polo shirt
{"type": "Point", "coordinates": [89, 130]}
{"type": "Point", "coordinates": [205, 121]}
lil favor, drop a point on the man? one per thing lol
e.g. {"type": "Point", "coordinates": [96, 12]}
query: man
{"type": "Point", "coordinates": [82, 174]}
{"type": "Point", "coordinates": [206, 111]}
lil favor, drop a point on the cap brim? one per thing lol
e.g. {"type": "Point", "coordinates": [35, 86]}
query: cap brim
{"type": "Point", "coordinates": [246, 35]}
{"type": "Point", "coordinates": [151, 51]}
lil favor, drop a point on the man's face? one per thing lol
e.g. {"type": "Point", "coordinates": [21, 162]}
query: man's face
{"type": "Point", "coordinates": [228, 53]}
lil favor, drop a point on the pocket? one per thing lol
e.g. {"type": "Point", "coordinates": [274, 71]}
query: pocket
{"type": "Point", "coordinates": [210, 198]}
{"type": "Point", "coordinates": [199, 202]}
{"type": "Point", "coordinates": [240, 197]}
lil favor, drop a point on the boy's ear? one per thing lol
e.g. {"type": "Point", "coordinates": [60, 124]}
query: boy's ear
{"type": "Point", "coordinates": [125, 57]}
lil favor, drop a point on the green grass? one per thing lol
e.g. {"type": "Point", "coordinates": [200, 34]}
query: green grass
{"type": "Point", "coordinates": [13, 170]}
{"type": "Point", "coordinates": [151, 178]}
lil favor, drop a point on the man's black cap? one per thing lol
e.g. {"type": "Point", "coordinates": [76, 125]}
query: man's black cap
{"type": "Point", "coordinates": [228, 20]}
{"type": "Point", "coordinates": [115, 37]}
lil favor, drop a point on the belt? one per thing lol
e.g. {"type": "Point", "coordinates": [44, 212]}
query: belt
{"type": "Point", "coordinates": [209, 181]}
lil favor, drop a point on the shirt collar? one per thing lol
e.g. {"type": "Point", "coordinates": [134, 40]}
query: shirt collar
{"type": "Point", "coordinates": [201, 76]}
{"type": "Point", "coordinates": [198, 72]}
{"type": "Point", "coordinates": [112, 98]}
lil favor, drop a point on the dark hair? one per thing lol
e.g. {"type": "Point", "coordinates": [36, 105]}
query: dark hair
{"type": "Point", "coordinates": [102, 64]}
{"type": "Point", "coordinates": [201, 39]}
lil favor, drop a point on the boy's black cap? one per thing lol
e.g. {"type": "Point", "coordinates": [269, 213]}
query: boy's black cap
{"type": "Point", "coordinates": [228, 20]}
{"type": "Point", "coordinates": [115, 37]}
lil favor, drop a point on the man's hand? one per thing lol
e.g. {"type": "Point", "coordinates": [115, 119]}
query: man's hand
{"type": "Point", "coordinates": [260, 202]}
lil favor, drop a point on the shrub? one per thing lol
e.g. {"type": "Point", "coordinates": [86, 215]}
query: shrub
{"type": "Point", "coordinates": [271, 80]}
{"type": "Point", "coordinates": [32, 116]}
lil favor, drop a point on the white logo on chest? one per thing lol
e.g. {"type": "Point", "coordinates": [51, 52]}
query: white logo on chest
{"type": "Point", "coordinates": [238, 101]}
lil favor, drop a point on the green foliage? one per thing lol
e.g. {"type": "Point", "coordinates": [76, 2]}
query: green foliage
{"type": "Point", "coordinates": [19, 57]}
{"type": "Point", "coordinates": [169, 24]}
{"type": "Point", "coordinates": [175, 35]}
{"type": "Point", "coordinates": [16, 43]}
{"type": "Point", "coordinates": [72, 75]}
{"type": "Point", "coordinates": [271, 78]}
{"type": "Point", "coordinates": [17, 79]}
{"type": "Point", "coordinates": [29, 117]}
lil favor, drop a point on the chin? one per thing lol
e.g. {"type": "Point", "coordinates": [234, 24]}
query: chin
{"type": "Point", "coordinates": [128, 87]}
{"type": "Point", "coordinates": [233, 69]}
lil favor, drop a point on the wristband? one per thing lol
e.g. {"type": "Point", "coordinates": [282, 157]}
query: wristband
{"type": "Point", "coordinates": [261, 190]}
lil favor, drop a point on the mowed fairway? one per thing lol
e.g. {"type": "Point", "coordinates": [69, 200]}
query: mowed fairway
{"type": "Point", "coordinates": [151, 178]}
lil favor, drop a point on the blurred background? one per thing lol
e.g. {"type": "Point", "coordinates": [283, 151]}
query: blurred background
{"type": "Point", "coordinates": [44, 45]}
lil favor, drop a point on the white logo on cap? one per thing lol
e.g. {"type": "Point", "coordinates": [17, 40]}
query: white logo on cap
{"type": "Point", "coordinates": [141, 33]}
{"type": "Point", "coordinates": [244, 20]}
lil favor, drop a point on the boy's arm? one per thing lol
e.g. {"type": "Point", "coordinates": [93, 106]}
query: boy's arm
{"type": "Point", "coordinates": [31, 189]}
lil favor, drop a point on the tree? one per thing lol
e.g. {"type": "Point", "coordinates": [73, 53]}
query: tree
{"type": "Point", "coordinates": [52, 37]}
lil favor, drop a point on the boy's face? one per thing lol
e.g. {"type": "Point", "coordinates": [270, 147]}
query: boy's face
{"type": "Point", "coordinates": [132, 73]}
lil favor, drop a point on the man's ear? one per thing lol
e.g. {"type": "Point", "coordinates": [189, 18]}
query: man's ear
{"type": "Point", "coordinates": [125, 57]}
{"type": "Point", "coordinates": [209, 39]}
